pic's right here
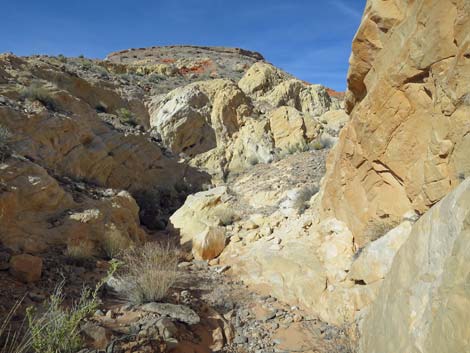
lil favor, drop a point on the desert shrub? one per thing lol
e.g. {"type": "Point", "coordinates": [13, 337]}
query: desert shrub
{"type": "Point", "coordinates": [81, 56]}
{"type": "Point", "coordinates": [317, 145]}
{"type": "Point", "coordinates": [327, 141]}
{"type": "Point", "coordinates": [303, 197]}
{"type": "Point", "coordinates": [61, 58]}
{"type": "Point", "coordinates": [86, 65]}
{"type": "Point", "coordinates": [147, 272]}
{"type": "Point", "coordinates": [226, 216]}
{"type": "Point", "coordinates": [296, 148]}
{"type": "Point", "coordinates": [253, 160]}
{"type": "Point", "coordinates": [126, 117]}
{"type": "Point", "coordinates": [12, 340]}
{"type": "Point", "coordinates": [376, 229]}
{"type": "Point", "coordinates": [57, 329]}
{"type": "Point", "coordinates": [5, 136]}
{"type": "Point", "coordinates": [37, 92]}
{"type": "Point", "coordinates": [113, 242]}
{"type": "Point", "coordinates": [155, 78]}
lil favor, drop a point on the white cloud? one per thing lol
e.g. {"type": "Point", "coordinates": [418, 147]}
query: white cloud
{"type": "Point", "coordinates": [346, 8]}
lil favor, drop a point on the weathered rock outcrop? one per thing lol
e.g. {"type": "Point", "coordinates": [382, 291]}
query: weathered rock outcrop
{"type": "Point", "coordinates": [407, 143]}
{"type": "Point", "coordinates": [37, 211]}
{"type": "Point", "coordinates": [224, 127]}
{"type": "Point", "coordinates": [424, 303]}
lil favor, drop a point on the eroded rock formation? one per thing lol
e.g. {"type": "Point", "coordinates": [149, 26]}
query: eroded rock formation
{"type": "Point", "coordinates": [407, 144]}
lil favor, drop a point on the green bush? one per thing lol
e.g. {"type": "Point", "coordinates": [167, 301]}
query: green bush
{"type": "Point", "coordinates": [37, 92]}
{"type": "Point", "coordinates": [317, 145]}
{"type": "Point", "coordinates": [57, 329]}
{"type": "Point", "coordinates": [126, 117]}
{"type": "Point", "coordinates": [86, 65]}
{"type": "Point", "coordinates": [62, 58]}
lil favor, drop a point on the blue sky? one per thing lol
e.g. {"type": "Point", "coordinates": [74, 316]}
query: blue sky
{"type": "Point", "coordinates": [308, 38]}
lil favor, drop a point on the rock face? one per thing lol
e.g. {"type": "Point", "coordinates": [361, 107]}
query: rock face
{"type": "Point", "coordinates": [426, 291]}
{"type": "Point", "coordinates": [407, 143]}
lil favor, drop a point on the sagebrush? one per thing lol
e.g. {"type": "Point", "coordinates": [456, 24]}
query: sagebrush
{"type": "Point", "coordinates": [56, 329]}
{"type": "Point", "coordinates": [5, 137]}
{"type": "Point", "coordinates": [126, 117]}
{"type": "Point", "coordinates": [36, 91]}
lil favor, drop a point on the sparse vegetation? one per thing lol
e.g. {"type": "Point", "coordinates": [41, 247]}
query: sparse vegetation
{"type": "Point", "coordinates": [155, 78]}
{"type": "Point", "coordinates": [114, 242]}
{"type": "Point", "coordinates": [57, 329]}
{"type": "Point", "coordinates": [295, 148]}
{"type": "Point", "coordinates": [37, 92]}
{"type": "Point", "coordinates": [81, 250]}
{"type": "Point", "coordinates": [226, 216]}
{"type": "Point", "coordinates": [12, 340]}
{"type": "Point", "coordinates": [126, 116]}
{"type": "Point", "coordinates": [253, 160]}
{"type": "Point", "coordinates": [62, 58]}
{"type": "Point", "coordinates": [377, 229]}
{"type": "Point", "coordinates": [304, 196]}
{"type": "Point", "coordinates": [86, 65]}
{"type": "Point", "coordinates": [317, 145]}
{"type": "Point", "coordinates": [5, 136]}
{"type": "Point", "coordinates": [147, 272]}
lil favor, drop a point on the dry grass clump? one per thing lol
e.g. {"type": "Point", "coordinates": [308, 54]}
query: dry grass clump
{"type": "Point", "coordinates": [81, 250]}
{"type": "Point", "coordinates": [12, 340]}
{"type": "Point", "coordinates": [147, 272]}
{"type": "Point", "coordinates": [113, 242]}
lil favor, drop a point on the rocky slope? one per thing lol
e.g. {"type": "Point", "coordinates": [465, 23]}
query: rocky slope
{"type": "Point", "coordinates": [96, 155]}
{"type": "Point", "coordinates": [375, 237]}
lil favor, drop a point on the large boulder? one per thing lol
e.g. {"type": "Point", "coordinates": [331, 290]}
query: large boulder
{"type": "Point", "coordinates": [261, 78]}
{"type": "Point", "coordinates": [291, 129]}
{"type": "Point", "coordinates": [407, 143]}
{"type": "Point", "coordinates": [423, 305]}
{"type": "Point", "coordinates": [208, 244]}
{"type": "Point", "coordinates": [26, 268]}
{"type": "Point", "coordinates": [182, 119]}
{"type": "Point", "coordinates": [199, 117]}
{"type": "Point", "coordinates": [202, 210]}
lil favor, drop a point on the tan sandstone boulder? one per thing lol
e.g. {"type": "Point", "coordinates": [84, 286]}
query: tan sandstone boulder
{"type": "Point", "coordinates": [260, 78]}
{"type": "Point", "coordinates": [423, 305]}
{"type": "Point", "coordinates": [200, 211]}
{"type": "Point", "coordinates": [209, 243]}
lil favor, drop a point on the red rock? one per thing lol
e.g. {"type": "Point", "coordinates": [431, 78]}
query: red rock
{"type": "Point", "coordinates": [26, 268]}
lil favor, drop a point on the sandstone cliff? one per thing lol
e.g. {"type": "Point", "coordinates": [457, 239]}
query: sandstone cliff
{"type": "Point", "coordinates": [407, 143]}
